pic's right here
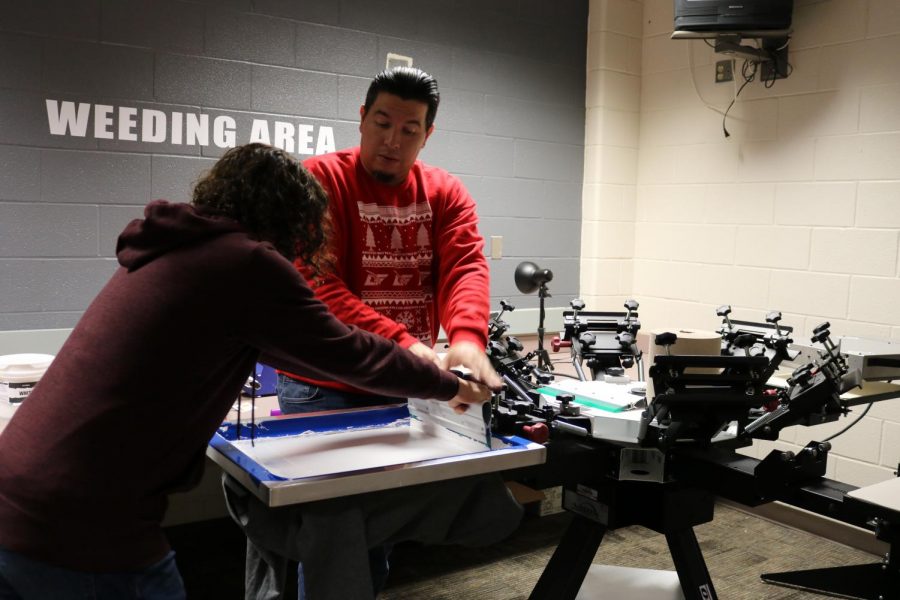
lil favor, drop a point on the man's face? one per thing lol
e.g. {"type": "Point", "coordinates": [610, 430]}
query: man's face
{"type": "Point", "coordinates": [392, 134]}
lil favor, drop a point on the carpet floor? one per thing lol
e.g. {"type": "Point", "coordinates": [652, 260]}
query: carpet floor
{"type": "Point", "coordinates": [737, 546]}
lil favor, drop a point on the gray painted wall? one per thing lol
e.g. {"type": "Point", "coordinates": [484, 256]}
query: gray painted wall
{"type": "Point", "coordinates": [511, 121]}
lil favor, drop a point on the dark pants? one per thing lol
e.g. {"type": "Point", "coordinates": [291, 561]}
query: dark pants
{"type": "Point", "coordinates": [331, 539]}
{"type": "Point", "coordinates": [22, 578]}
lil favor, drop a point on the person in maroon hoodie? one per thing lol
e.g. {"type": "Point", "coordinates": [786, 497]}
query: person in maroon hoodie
{"type": "Point", "coordinates": [123, 415]}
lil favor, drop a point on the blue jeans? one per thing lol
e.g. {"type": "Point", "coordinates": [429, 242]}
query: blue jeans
{"type": "Point", "coordinates": [296, 396]}
{"type": "Point", "coordinates": [22, 578]}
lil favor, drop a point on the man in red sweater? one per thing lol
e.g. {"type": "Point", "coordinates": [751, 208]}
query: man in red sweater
{"type": "Point", "coordinates": [123, 415]}
{"type": "Point", "coordinates": [408, 255]}
{"type": "Point", "coordinates": [408, 260]}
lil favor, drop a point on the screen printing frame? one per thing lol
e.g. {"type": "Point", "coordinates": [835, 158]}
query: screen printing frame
{"type": "Point", "coordinates": [507, 453]}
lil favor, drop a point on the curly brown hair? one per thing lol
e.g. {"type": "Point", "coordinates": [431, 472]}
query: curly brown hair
{"type": "Point", "coordinates": [274, 198]}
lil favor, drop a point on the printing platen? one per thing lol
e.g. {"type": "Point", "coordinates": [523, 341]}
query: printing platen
{"type": "Point", "coordinates": [306, 458]}
{"type": "Point", "coordinates": [595, 394]}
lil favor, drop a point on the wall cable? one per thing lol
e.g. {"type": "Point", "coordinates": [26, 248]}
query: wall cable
{"type": "Point", "coordinates": [694, 81]}
{"type": "Point", "coordinates": [845, 429]}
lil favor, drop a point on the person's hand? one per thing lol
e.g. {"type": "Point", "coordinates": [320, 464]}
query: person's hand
{"type": "Point", "coordinates": [469, 393]}
{"type": "Point", "coordinates": [425, 353]}
{"type": "Point", "coordinates": [472, 356]}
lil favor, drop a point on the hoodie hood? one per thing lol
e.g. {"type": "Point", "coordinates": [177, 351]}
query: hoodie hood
{"type": "Point", "coordinates": [166, 227]}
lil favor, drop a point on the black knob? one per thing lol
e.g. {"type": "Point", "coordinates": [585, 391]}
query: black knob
{"type": "Point", "coordinates": [625, 339]}
{"type": "Point", "coordinates": [773, 317]}
{"type": "Point", "coordinates": [823, 327]}
{"type": "Point", "coordinates": [821, 333]}
{"type": "Point", "coordinates": [744, 341]}
{"type": "Point", "coordinates": [514, 344]}
{"type": "Point", "coordinates": [507, 306]}
{"type": "Point", "coordinates": [801, 375]}
{"type": "Point", "coordinates": [543, 377]}
{"type": "Point", "coordinates": [724, 310]}
{"type": "Point", "coordinates": [496, 349]}
{"type": "Point", "coordinates": [665, 339]}
{"type": "Point", "coordinates": [631, 305]}
{"type": "Point", "coordinates": [587, 339]}
{"type": "Point", "coordinates": [577, 304]}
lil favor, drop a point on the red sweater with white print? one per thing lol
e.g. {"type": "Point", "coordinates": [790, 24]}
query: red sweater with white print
{"type": "Point", "coordinates": [408, 257]}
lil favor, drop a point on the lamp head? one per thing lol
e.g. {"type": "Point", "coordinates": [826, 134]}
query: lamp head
{"type": "Point", "coordinates": [529, 277]}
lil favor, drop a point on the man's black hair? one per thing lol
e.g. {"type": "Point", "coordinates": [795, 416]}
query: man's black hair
{"type": "Point", "coordinates": [408, 83]}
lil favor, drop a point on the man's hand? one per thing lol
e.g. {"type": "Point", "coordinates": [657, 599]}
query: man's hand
{"type": "Point", "coordinates": [472, 356]}
{"type": "Point", "coordinates": [425, 353]}
{"type": "Point", "coordinates": [469, 393]}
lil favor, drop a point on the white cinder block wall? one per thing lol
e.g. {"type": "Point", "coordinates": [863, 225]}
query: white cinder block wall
{"type": "Point", "coordinates": [612, 116]}
{"type": "Point", "coordinates": [799, 210]}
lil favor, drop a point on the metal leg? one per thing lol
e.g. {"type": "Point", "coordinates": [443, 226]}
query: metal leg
{"type": "Point", "coordinates": [565, 572]}
{"type": "Point", "coordinates": [862, 582]}
{"type": "Point", "coordinates": [578, 369]}
{"type": "Point", "coordinates": [688, 559]}
{"type": "Point", "coordinates": [876, 581]}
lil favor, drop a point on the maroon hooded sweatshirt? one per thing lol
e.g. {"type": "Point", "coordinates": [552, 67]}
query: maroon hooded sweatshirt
{"type": "Point", "coordinates": [122, 417]}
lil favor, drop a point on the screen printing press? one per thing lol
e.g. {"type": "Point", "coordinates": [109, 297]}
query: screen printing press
{"type": "Point", "coordinates": [624, 458]}
{"type": "Point", "coordinates": [612, 481]}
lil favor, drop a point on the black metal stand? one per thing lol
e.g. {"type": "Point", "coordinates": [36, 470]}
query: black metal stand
{"type": "Point", "coordinates": [668, 510]}
{"type": "Point", "coordinates": [542, 355]}
{"type": "Point", "coordinates": [863, 582]}
{"type": "Point", "coordinates": [692, 572]}
{"type": "Point", "coordinates": [876, 581]}
{"type": "Point", "coordinates": [564, 574]}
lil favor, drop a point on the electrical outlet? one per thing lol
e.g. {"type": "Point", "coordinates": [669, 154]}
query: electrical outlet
{"type": "Point", "coordinates": [496, 246]}
{"type": "Point", "coordinates": [724, 71]}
